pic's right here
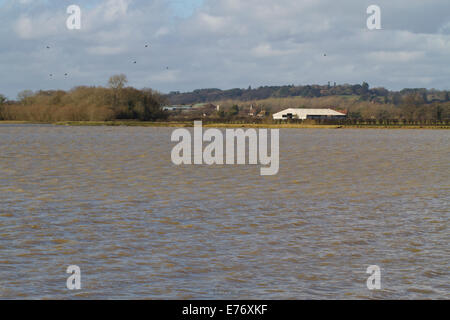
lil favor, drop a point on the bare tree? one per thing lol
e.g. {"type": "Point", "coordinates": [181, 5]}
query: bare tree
{"type": "Point", "coordinates": [25, 96]}
{"type": "Point", "coordinates": [117, 83]}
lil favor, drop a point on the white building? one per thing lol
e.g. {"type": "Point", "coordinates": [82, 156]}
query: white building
{"type": "Point", "coordinates": [303, 114]}
{"type": "Point", "coordinates": [177, 108]}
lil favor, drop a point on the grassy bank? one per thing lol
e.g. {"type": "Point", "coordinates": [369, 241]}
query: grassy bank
{"type": "Point", "coordinates": [231, 125]}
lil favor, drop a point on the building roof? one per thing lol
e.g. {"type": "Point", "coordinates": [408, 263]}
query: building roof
{"type": "Point", "coordinates": [302, 113]}
{"type": "Point", "coordinates": [173, 107]}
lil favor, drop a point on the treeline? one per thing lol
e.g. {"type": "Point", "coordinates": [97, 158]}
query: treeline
{"type": "Point", "coordinates": [116, 101]}
{"type": "Point", "coordinates": [362, 91]}
{"type": "Point", "coordinates": [86, 104]}
{"type": "Point", "coordinates": [412, 108]}
{"type": "Point", "coordinates": [365, 105]}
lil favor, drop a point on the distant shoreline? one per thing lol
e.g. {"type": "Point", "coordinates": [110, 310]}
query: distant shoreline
{"type": "Point", "coordinates": [230, 125]}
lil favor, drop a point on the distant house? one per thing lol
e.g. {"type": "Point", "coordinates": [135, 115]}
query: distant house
{"type": "Point", "coordinates": [251, 111]}
{"type": "Point", "coordinates": [262, 114]}
{"type": "Point", "coordinates": [303, 114]}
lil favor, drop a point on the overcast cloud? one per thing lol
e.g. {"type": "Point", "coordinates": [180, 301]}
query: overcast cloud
{"type": "Point", "coordinates": [223, 43]}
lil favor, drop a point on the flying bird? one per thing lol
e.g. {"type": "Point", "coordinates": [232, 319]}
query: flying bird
{"type": "Point", "coordinates": [48, 47]}
{"type": "Point", "coordinates": [146, 45]}
{"type": "Point", "coordinates": [65, 74]}
{"type": "Point", "coordinates": [135, 62]}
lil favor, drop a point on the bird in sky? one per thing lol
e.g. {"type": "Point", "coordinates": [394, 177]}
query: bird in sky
{"type": "Point", "coordinates": [65, 74]}
{"type": "Point", "coordinates": [146, 45]}
{"type": "Point", "coordinates": [135, 62]}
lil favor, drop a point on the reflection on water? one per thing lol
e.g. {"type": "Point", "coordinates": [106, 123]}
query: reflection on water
{"type": "Point", "coordinates": [109, 200]}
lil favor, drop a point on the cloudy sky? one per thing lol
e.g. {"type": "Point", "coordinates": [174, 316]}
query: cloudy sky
{"type": "Point", "coordinates": [223, 43]}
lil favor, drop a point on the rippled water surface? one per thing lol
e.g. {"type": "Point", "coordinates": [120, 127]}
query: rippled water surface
{"type": "Point", "coordinates": [109, 200]}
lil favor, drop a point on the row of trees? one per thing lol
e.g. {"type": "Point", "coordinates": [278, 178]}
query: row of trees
{"type": "Point", "coordinates": [362, 91]}
{"type": "Point", "coordinates": [412, 107]}
{"type": "Point", "coordinates": [86, 104]}
{"type": "Point", "coordinates": [117, 101]}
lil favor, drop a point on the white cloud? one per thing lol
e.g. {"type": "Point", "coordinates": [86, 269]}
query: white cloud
{"type": "Point", "coordinates": [210, 22]}
{"type": "Point", "coordinates": [105, 50]}
{"type": "Point", "coordinates": [24, 27]}
{"type": "Point", "coordinates": [162, 32]}
{"type": "Point", "coordinates": [445, 28]}
{"type": "Point", "coordinates": [167, 76]}
{"type": "Point", "coordinates": [113, 10]}
{"type": "Point", "coordinates": [396, 56]}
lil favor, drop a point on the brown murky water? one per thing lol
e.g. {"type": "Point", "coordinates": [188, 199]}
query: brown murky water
{"type": "Point", "coordinates": [109, 200]}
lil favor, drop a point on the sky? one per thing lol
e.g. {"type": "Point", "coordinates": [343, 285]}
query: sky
{"type": "Point", "coordinates": [224, 44]}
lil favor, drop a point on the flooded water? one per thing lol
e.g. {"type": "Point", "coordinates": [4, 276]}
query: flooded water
{"type": "Point", "coordinates": [109, 200]}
